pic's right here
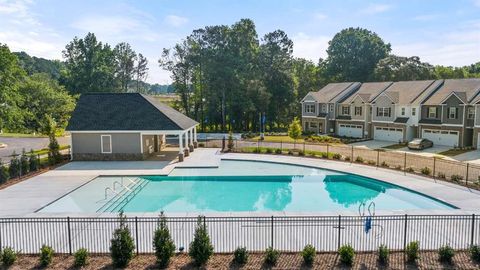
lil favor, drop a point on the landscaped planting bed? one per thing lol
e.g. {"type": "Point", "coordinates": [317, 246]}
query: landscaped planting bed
{"type": "Point", "coordinates": [427, 260]}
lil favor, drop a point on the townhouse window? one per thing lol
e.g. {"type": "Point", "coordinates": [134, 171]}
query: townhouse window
{"type": "Point", "coordinates": [346, 110]}
{"type": "Point", "coordinates": [310, 108]}
{"type": "Point", "coordinates": [432, 112]}
{"type": "Point", "coordinates": [414, 111]}
{"type": "Point", "coordinates": [324, 108]}
{"type": "Point", "coordinates": [403, 111]}
{"type": "Point", "coordinates": [470, 113]}
{"type": "Point", "coordinates": [358, 110]}
{"type": "Point", "coordinates": [383, 112]}
{"type": "Point", "coordinates": [331, 108]}
{"type": "Point", "coordinates": [452, 113]}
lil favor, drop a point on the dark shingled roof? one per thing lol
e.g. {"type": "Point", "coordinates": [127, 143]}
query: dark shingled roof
{"type": "Point", "coordinates": [401, 120]}
{"type": "Point", "coordinates": [430, 121]}
{"type": "Point", "coordinates": [125, 111]}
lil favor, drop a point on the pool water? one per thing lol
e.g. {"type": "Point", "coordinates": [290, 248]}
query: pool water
{"type": "Point", "coordinates": [242, 186]}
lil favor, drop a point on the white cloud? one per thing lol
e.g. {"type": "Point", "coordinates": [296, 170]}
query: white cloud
{"type": "Point", "coordinates": [175, 20]}
{"type": "Point", "coordinates": [320, 16]}
{"type": "Point", "coordinates": [375, 9]}
{"type": "Point", "coordinates": [32, 44]}
{"type": "Point", "coordinates": [310, 47]}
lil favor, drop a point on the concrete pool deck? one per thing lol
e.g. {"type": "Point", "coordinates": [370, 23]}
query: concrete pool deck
{"type": "Point", "coordinates": [24, 198]}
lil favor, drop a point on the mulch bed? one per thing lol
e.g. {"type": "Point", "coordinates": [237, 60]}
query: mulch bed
{"type": "Point", "coordinates": [428, 260]}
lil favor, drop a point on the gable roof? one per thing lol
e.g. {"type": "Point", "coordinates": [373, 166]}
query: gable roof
{"type": "Point", "coordinates": [465, 89]}
{"type": "Point", "coordinates": [405, 92]}
{"type": "Point", "coordinates": [125, 112]}
{"type": "Point", "coordinates": [332, 92]}
{"type": "Point", "coordinates": [368, 91]}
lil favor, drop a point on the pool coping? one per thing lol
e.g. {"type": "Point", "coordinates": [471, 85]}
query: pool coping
{"type": "Point", "coordinates": [464, 198]}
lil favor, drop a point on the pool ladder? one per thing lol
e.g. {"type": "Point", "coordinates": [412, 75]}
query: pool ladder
{"type": "Point", "coordinates": [123, 196]}
{"type": "Point", "coordinates": [363, 206]}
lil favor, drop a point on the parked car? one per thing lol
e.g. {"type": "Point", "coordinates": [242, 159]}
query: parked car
{"type": "Point", "coordinates": [419, 144]}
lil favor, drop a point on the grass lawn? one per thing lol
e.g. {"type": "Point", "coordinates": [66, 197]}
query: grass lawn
{"type": "Point", "coordinates": [454, 152]}
{"type": "Point", "coordinates": [45, 150]}
{"type": "Point", "coordinates": [278, 139]}
{"type": "Point", "coordinates": [22, 135]}
{"type": "Point", "coordinates": [395, 146]}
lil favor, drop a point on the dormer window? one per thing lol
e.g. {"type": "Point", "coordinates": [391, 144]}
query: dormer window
{"type": "Point", "coordinates": [403, 111]}
{"type": "Point", "coordinates": [432, 112]}
{"type": "Point", "coordinates": [309, 108]}
{"type": "Point", "coordinates": [470, 113]}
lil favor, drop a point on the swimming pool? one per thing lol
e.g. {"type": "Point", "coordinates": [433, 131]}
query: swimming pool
{"type": "Point", "coordinates": [241, 186]}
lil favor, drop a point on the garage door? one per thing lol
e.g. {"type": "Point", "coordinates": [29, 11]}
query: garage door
{"type": "Point", "coordinates": [388, 134]}
{"type": "Point", "coordinates": [353, 131]}
{"type": "Point", "coordinates": [441, 137]}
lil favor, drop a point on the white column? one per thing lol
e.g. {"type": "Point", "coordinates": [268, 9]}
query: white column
{"type": "Point", "coordinates": [180, 143]}
{"type": "Point", "coordinates": [191, 136]}
{"type": "Point", "coordinates": [186, 139]}
{"type": "Point", "coordinates": [195, 133]}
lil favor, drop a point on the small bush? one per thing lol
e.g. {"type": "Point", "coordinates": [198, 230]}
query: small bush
{"type": "Point", "coordinates": [456, 178]}
{"type": "Point", "coordinates": [347, 254]}
{"type": "Point", "coordinates": [371, 162]}
{"type": "Point", "coordinates": [412, 251]}
{"type": "Point", "coordinates": [271, 256]}
{"type": "Point", "coordinates": [46, 255]}
{"type": "Point", "coordinates": [122, 246]}
{"type": "Point", "coordinates": [446, 253]}
{"type": "Point", "coordinates": [398, 167]}
{"type": "Point", "coordinates": [230, 143]}
{"type": "Point", "coordinates": [441, 175]}
{"type": "Point", "coordinates": [14, 167]}
{"type": "Point", "coordinates": [347, 158]}
{"type": "Point", "coordinates": [290, 152]}
{"type": "Point", "coordinates": [163, 243]}
{"type": "Point", "coordinates": [4, 175]}
{"type": "Point", "coordinates": [269, 151]}
{"type": "Point", "coordinates": [474, 253]}
{"type": "Point", "coordinates": [359, 159]}
{"type": "Point", "coordinates": [278, 151]}
{"type": "Point", "coordinates": [201, 145]}
{"type": "Point", "coordinates": [324, 155]}
{"type": "Point", "coordinates": [240, 256]}
{"type": "Point", "coordinates": [426, 171]}
{"type": "Point", "coordinates": [384, 164]}
{"type": "Point", "coordinates": [81, 257]}
{"type": "Point", "coordinates": [33, 162]}
{"type": "Point", "coordinates": [336, 156]}
{"type": "Point", "coordinates": [383, 253]}
{"type": "Point", "coordinates": [410, 170]}
{"type": "Point", "coordinates": [8, 256]}
{"type": "Point", "coordinates": [24, 165]}
{"type": "Point", "coordinates": [301, 153]}
{"type": "Point", "coordinates": [257, 150]}
{"type": "Point", "coordinates": [201, 248]}
{"type": "Point", "coordinates": [308, 254]}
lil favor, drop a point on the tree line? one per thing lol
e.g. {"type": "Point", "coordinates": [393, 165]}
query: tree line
{"type": "Point", "coordinates": [228, 78]}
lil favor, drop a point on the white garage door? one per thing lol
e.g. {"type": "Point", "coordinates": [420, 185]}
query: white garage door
{"type": "Point", "coordinates": [388, 134]}
{"type": "Point", "coordinates": [441, 137]}
{"type": "Point", "coordinates": [353, 131]}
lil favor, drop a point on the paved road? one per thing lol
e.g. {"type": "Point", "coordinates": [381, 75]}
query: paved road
{"type": "Point", "coordinates": [17, 144]}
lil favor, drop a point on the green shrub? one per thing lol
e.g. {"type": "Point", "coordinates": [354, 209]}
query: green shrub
{"type": "Point", "coordinates": [347, 254]}
{"type": "Point", "coordinates": [336, 156]}
{"type": "Point", "coordinates": [290, 152]}
{"type": "Point", "coordinates": [269, 151]}
{"type": "Point", "coordinates": [371, 162]}
{"type": "Point", "coordinates": [441, 175]}
{"type": "Point", "coordinates": [33, 162]}
{"type": "Point", "coordinates": [4, 175]}
{"type": "Point", "coordinates": [384, 164]}
{"type": "Point", "coordinates": [324, 155]}
{"type": "Point", "coordinates": [14, 167]}
{"type": "Point", "coordinates": [456, 178]}
{"type": "Point", "coordinates": [122, 245]}
{"type": "Point", "coordinates": [201, 248]}
{"type": "Point", "coordinates": [412, 251]}
{"type": "Point", "coordinates": [410, 170]}
{"type": "Point", "coordinates": [398, 167]}
{"type": "Point", "coordinates": [446, 253]}
{"type": "Point", "coordinates": [257, 150]}
{"type": "Point", "coordinates": [240, 256]}
{"type": "Point", "coordinates": [81, 257]}
{"type": "Point", "coordinates": [24, 166]}
{"type": "Point", "coordinates": [278, 151]}
{"type": "Point", "coordinates": [383, 253]}
{"type": "Point", "coordinates": [347, 158]}
{"type": "Point", "coordinates": [359, 159]}
{"type": "Point", "coordinates": [308, 254]}
{"type": "Point", "coordinates": [46, 255]}
{"type": "Point", "coordinates": [201, 145]}
{"type": "Point", "coordinates": [426, 171]}
{"type": "Point", "coordinates": [163, 243]}
{"type": "Point", "coordinates": [301, 153]}
{"type": "Point", "coordinates": [230, 143]}
{"type": "Point", "coordinates": [474, 253]}
{"type": "Point", "coordinates": [271, 256]}
{"type": "Point", "coordinates": [8, 256]}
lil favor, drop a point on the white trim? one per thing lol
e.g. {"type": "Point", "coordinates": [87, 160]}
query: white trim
{"type": "Point", "coordinates": [141, 143]}
{"type": "Point", "coordinates": [101, 144]}
{"type": "Point", "coordinates": [449, 95]}
{"type": "Point", "coordinates": [310, 116]}
{"type": "Point", "coordinates": [146, 132]}
{"type": "Point", "coordinates": [452, 125]}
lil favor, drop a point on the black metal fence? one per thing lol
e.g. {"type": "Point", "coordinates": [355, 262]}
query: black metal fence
{"type": "Point", "coordinates": [458, 172]}
{"type": "Point", "coordinates": [326, 233]}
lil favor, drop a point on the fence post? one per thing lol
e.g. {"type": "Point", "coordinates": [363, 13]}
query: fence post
{"type": "Point", "coordinates": [472, 236]}
{"type": "Point", "coordinates": [405, 164]}
{"type": "Point", "coordinates": [466, 177]}
{"type": "Point", "coordinates": [271, 244]}
{"type": "Point", "coordinates": [339, 231]}
{"type": "Point", "coordinates": [304, 147]}
{"type": "Point", "coordinates": [327, 150]}
{"type": "Point", "coordinates": [258, 145]}
{"type": "Point", "coordinates": [378, 157]}
{"type": "Point", "coordinates": [69, 236]}
{"type": "Point", "coordinates": [136, 234]}
{"type": "Point", "coordinates": [434, 163]}
{"type": "Point", "coordinates": [281, 146]}
{"type": "Point", "coordinates": [351, 160]}
{"type": "Point", "coordinates": [405, 233]}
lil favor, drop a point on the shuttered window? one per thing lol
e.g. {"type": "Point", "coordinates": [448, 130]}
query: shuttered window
{"type": "Point", "coordinates": [106, 144]}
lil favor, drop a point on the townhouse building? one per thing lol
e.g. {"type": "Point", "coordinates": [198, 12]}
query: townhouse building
{"type": "Point", "coordinates": [476, 128]}
{"type": "Point", "coordinates": [318, 108]}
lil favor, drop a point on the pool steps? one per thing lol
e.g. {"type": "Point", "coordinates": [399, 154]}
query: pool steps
{"type": "Point", "coordinates": [117, 202]}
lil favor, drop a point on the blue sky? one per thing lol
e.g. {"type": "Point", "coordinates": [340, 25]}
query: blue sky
{"type": "Point", "coordinates": [443, 32]}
